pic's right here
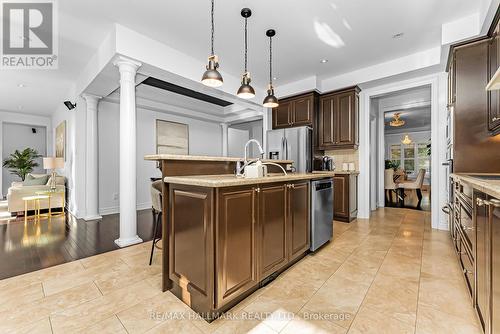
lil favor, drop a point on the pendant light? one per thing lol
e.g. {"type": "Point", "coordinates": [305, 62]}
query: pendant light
{"type": "Point", "coordinates": [406, 140]}
{"type": "Point", "coordinates": [212, 77]}
{"type": "Point", "coordinates": [270, 101]}
{"type": "Point", "coordinates": [246, 91]}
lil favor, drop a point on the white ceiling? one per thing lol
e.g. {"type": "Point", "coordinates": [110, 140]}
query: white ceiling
{"type": "Point", "coordinates": [349, 33]}
{"type": "Point", "coordinates": [414, 107]}
{"type": "Point", "coordinates": [416, 119]}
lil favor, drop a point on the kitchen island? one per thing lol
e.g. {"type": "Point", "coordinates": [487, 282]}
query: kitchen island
{"type": "Point", "coordinates": [225, 236]}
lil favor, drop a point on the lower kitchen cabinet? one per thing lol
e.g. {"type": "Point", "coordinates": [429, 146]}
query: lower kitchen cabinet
{"type": "Point", "coordinates": [298, 219]}
{"type": "Point", "coordinates": [236, 235]}
{"type": "Point", "coordinates": [273, 227]}
{"type": "Point", "coordinates": [487, 220]}
{"type": "Point", "coordinates": [345, 197]}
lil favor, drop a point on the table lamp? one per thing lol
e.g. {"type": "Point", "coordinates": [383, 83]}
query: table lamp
{"type": "Point", "coordinates": [53, 163]}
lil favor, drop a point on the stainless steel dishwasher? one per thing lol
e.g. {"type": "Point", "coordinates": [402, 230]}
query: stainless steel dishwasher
{"type": "Point", "coordinates": [321, 212]}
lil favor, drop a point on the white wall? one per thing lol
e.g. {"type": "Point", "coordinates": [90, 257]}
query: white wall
{"type": "Point", "coordinates": [235, 138]}
{"type": "Point", "coordinates": [74, 165]}
{"type": "Point", "coordinates": [20, 137]}
{"type": "Point", "coordinates": [32, 120]}
{"type": "Point", "coordinates": [205, 138]}
{"type": "Point", "coordinates": [416, 137]}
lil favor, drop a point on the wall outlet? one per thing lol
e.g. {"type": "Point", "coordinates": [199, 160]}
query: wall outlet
{"type": "Point", "coordinates": [115, 196]}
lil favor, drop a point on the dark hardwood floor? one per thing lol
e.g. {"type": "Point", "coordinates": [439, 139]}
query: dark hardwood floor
{"type": "Point", "coordinates": [37, 245]}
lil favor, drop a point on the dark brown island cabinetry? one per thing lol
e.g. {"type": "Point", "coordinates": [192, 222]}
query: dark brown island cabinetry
{"type": "Point", "coordinates": [338, 119]}
{"type": "Point", "coordinates": [345, 198]}
{"type": "Point", "coordinates": [295, 111]}
{"type": "Point", "coordinates": [225, 241]}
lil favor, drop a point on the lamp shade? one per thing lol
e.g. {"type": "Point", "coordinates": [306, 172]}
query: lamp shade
{"type": "Point", "coordinates": [53, 163]}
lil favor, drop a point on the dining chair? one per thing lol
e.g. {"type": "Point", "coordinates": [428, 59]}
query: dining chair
{"type": "Point", "coordinates": [415, 185]}
{"type": "Point", "coordinates": [390, 186]}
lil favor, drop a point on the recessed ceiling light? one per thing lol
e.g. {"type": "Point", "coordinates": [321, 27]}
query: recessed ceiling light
{"type": "Point", "coordinates": [21, 85]}
{"type": "Point", "coordinates": [398, 35]}
{"type": "Point", "coordinates": [323, 61]}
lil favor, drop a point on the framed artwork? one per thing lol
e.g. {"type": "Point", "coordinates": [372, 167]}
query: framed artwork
{"type": "Point", "coordinates": [172, 138]}
{"type": "Point", "coordinates": [61, 140]}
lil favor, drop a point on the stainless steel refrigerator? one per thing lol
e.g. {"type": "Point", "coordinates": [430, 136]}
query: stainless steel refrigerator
{"type": "Point", "coordinates": [291, 144]}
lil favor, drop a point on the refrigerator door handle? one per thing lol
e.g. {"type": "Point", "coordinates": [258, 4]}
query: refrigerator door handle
{"type": "Point", "coordinates": [282, 153]}
{"type": "Point", "coordinates": [286, 148]}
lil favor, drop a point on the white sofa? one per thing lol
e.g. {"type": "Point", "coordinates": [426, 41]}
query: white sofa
{"type": "Point", "coordinates": [17, 191]}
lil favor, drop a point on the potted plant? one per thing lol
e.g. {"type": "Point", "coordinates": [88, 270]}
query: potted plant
{"type": "Point", "coordinates": [392, 164]}
{"type": "Point", "coordinates": [22, 163]}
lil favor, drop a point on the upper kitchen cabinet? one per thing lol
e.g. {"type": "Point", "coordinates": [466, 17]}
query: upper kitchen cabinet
{"type": "Point", "coordinates": [473, 108]}
{"type": "Point", "coordinates": [295, 111]}
{"type": "Point", "coordinates": [494, 95]}
{"type": "Point", "coordinates": [338, 119]}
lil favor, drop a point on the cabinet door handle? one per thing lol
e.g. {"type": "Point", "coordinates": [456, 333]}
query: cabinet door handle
{"type": "Point", "coordinates": [467, 272]}
{"type": "Point", "coordinates": [257, 190]}
{"type": "Point", "coordinates": [494, 202]}
{"type": "Point", "coordinates": [494, 119]}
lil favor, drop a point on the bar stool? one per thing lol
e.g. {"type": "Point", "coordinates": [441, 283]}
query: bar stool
{"type": "Point", "coordinates": [156, 200]}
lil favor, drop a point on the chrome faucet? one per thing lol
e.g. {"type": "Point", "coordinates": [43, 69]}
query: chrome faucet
{"type": "Point", "coordinates": [261, 151]}
{"type": "Point", "coordinates": [240, 166]}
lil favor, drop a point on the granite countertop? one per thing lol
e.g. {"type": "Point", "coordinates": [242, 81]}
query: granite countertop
{"type": "Point", "coordinates": [488, 186]}
{"type": "Point", "coordinates": [204, 158]}
{"type": "Point", "coordinates": [337, 172]}
{"type": "Point", "coordinates": [229, 180]}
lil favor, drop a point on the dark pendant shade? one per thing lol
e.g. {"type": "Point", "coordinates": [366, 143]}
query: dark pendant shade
{"type": "Point", "coordinates": [212, 77]}
{"type": "Point", "coordinates": [270, 101]}
{"type": "Point", "coordinates": [246, 91]}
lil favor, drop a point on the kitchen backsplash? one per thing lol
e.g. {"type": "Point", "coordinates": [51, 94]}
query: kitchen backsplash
{"type": "Point", "coordinates": [344, 156]}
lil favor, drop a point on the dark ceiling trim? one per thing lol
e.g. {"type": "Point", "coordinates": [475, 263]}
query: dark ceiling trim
{"type": "Point", "coordinates": [153, 82]}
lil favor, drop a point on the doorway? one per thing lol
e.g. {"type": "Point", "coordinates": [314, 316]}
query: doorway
{"type": "Point", "coordinates": [404, 148]}
{"type": "Point", "coordinates": [438, 83]}
{"type": "Point", "coordinates": [239, 134]}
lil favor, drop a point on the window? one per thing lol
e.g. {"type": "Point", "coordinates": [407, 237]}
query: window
{"type": "Point", "coordinates": [411, 157]}
{"type": "Point", "coordinates": [424, 161]}
{"type": "Point", "coordinates": [396, 154]}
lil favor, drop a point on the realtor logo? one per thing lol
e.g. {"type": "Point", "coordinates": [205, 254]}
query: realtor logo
{"type": "Point", "coordinates": [29, 39]}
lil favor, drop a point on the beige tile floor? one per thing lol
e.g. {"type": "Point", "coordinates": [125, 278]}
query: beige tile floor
{"type": "Point", "coordinates": [389, 274]}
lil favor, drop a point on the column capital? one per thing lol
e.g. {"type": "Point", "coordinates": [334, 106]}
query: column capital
{"type": "Point", "coordinates": [91, 97]}
{"type": "Point", "coordinates": [125, 63]}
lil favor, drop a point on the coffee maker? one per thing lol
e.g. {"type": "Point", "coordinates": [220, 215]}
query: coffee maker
{"type": "Point", "coordinates": [324, 163]}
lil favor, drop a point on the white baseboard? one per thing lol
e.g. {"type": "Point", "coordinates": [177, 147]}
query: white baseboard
{"type": "Point", "coordinates": [116, 209]}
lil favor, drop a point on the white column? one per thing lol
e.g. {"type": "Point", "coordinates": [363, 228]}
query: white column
{"type": "Point", "coordinates": [224, 138]}
{"type": "Point", "coordinates": [128, 153]}
{"type": "Point", "coordinates": [91, 159]}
